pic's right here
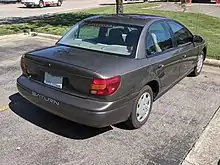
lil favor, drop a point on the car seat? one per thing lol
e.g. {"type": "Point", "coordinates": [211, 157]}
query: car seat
{"type": "Point", "coordinates": [115, 37]}
{"type": "Point", "coordinates": [132, 38]}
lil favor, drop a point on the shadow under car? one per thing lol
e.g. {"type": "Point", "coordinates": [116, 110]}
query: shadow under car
{"type": "Point", "coordinates": [50, 122]}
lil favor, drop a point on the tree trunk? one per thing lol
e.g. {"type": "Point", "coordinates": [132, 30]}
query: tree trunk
{"type": "Point", "coordinates": [119, 6]}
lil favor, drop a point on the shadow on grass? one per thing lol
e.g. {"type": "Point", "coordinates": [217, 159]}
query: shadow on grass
{"type": "Point", "coordinates": [50, 122]}
{"type": "Point", "coordinates": [56, 24]}
{"type": "Point", "coordinates": [65, 19]}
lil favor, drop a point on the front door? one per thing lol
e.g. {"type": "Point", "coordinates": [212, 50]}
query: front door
{"type": "Point", "coordinates": [160, 51]}
{"type": "Point", "coordinates": [185, 47]}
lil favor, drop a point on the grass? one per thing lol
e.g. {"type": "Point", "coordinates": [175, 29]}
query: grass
{"type": "Point", "coordinates": [206, 26]}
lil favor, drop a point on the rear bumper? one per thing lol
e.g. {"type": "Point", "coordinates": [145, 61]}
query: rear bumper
{"type": "Point", "coordinates": [84, 111]}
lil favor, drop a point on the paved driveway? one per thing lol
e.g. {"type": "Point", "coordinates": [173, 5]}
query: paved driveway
{"type": "Point", "coordinates": [177, 120]}
{"type": "Point", "coordinates": [209, 9]}
{"type": "Point", "coordinates": [18, 10]}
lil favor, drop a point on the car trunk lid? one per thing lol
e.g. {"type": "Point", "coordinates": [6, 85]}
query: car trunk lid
{"type": "Point", "coordinates": [76, 67]}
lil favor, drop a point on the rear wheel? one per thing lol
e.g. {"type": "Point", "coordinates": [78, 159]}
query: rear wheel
{"type": "Point", "coordinates": [199, 65]}
{"type": "Point", "coordinates": [41, 4]}
{"type": "Point", "coordinates": [141, 109]}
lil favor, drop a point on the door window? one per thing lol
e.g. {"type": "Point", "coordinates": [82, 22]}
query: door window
{"type": "Point", "coordinates": [180, 33]}
{"type": "Point", "coordinates": [161, 37]}
{"type": "Point", "coordinates": [150, 46]}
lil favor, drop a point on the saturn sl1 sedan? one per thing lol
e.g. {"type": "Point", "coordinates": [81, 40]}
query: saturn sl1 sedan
{"type": "Point", "coordinates": [110, 69]}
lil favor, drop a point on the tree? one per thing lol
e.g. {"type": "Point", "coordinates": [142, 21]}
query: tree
{"type": "Point", "coordinates": [119, 6]}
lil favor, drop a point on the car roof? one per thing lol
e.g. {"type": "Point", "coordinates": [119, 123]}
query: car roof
{"type": "Point", "coordinates": [129, 19]}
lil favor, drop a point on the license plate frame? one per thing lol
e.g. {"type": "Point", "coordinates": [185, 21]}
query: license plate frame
{"type": "Point", "coordinates": [55, 81]}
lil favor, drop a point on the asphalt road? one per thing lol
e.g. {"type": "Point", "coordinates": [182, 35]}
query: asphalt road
{"type": "Point", "coordinates": [19, 10]}
{"type": "Point", "coordinates": [29, 135]}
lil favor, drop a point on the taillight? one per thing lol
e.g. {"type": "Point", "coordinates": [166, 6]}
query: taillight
{"type": "Point", "coordinates": [105, 87]}
{"type": "Point", "coordinates": [23, 67]}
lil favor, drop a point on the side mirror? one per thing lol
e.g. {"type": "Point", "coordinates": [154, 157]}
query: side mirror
{"type": "Point", "coordinates": [197, 39]}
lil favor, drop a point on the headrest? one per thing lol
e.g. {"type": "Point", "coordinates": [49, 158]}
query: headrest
{"type": "Point", "coordinates": [132, 38]}
{"type": "Point", "coordinates": [115, 32]}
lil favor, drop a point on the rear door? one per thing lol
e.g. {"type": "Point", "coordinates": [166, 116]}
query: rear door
{"type": "Point", "coordinates": [161, 51]}
{"type": "Point", "coordinates": [185, 46]}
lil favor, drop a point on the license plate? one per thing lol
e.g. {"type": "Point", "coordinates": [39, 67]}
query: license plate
{"type": "Point", "coordinates": [53, 80]}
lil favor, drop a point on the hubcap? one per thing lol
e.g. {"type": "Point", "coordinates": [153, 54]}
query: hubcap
{"type": "Point", "coordinates": [199, 63]}
{"type": "Point", "coordinates": [143, 106]}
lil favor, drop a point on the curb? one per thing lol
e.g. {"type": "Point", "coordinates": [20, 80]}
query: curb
{"type": "Point", "coordinates": [208, 61]}
{"type": "Point", "coordinates": [8, 36]}
{"type": "Point", "coordinates": [206, 150]}
{"type": "Point", "coordinates": [212, 62]}
{"type": "Point", "coordinates": [49, 36]}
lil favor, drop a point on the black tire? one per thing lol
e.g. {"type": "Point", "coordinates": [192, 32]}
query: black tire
{"type": "Point", "coordinates": [196, 72]}
{"type": "Point", "coordinates": [59, 3]}
{"type": "Point", "coordinates": [132, 122]}
{"type": "Point", "coordinates": [41, 4]}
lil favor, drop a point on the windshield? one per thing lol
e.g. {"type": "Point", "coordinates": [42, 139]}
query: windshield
{"type": "Point", "coordinates": [104, 37]}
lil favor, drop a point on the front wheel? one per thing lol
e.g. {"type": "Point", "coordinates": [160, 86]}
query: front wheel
{"type": "Point", "coordinates": [141, 109]}
{"type": "Point", "coordinates": [59, 3]}
{"type": "Point", "coordinates": [41, 4]}
{"type": "Point", "coordinates": [199, 65]}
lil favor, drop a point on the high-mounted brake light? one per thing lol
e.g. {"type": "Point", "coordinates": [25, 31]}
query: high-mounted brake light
{"type": "Point", "coordinates": [105, 87]}
{"type": "Point", "coordinates": [23, 66]}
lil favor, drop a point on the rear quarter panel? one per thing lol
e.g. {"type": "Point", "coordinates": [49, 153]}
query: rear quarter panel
{"type": "Point", "coordinates": [135, 74]}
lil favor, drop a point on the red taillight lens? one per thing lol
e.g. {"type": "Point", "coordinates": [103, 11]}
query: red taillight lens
{"type": "Point", "coordinates": [105, 87]}
{"type": "Point", "coordinates": [23, 66]}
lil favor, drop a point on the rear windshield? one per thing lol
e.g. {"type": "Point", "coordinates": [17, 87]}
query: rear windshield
{"type": "Point", "coordinates": [110, 38]}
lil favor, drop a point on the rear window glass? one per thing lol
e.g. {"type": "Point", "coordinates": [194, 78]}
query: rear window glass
{"type": "Point", "coordinates": [104, 37]}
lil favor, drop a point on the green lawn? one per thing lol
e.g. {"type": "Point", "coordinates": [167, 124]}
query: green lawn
{"type": "Point", "coordinates": [201, 24]}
